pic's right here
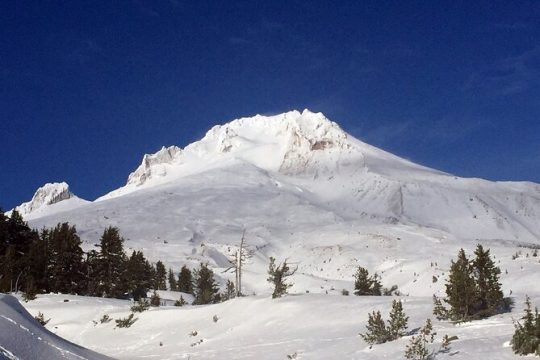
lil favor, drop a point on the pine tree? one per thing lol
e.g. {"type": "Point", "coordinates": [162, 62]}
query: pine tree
{"type": "Point", "coordinates": [489, 296]}
{"type": "Point", "coordinates": [362, 282]}
{"type": "Point", "coordinates": [526, 338]}
{"type": "Point", "coordinates": [65, 268]}
{"type": "Point", "coordinates": [112, 261]}
{"type": "Point", "coordinates": [418, 346]}
{"type": "Point", "coordinates": [461, 288]}
{"type": "Point", "coordinates": [180, 302]}
{"type": "Point", "coordinates": [160, 280]}
{"type": "Point", "coordinates": [397, 324]}
{"type": "Point", "coordinates": [440, 312]}
{"type": "Point", "coordinates": [138, 275]}
{"type": "Point", "coordinates": [205, 287]}
{"type": "Point", "coordinates": [365, 284]}
{"type": "Point", "coordinates": [16, 239]}
{"type": "Point", "coordinates": [185, 280]}
{"type": "Point", "coordinates": [376, 285]}
{"type": "Point", "coordinates": [173, 285]}
{"type": "Point", "coordinates": [277, 276]}
{"type": "Point", "coordinates": [377, 332]}
{"type": "Point", "coordinates": [230, 291]}
{"type": "Point", "coordinates": [38, 261]}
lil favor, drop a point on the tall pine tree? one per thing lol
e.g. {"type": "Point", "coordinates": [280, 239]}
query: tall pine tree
{"type": "Point", "coordinates": [205, 287]}
{"type": "Point", "coordinates": [173, 284]}
{"type": "Point", "coordinates": [160, 280]}
{"type": "Point", "coordinates": [489, 296]}
{"type": "Point", "coordinates": [185, 280]}
{"type": "Point", "coordinates": [65, 268]}
{"type": "Point", "coordinates": [112, 264]}
{"type": "Point", "coordinates": [461, 288]}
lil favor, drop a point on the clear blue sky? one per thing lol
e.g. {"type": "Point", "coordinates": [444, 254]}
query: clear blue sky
{"type": "Point", "coordinates": [88, 87]}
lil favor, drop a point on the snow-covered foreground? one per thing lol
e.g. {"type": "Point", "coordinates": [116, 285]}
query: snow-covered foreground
{"type": "Point", "coordinates": [22, 337]}
{"type": "Point", "coordinates": [312, 326]}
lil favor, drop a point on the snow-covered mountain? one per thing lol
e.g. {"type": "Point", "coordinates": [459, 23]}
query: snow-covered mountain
{"type": "Point", "coordinates": [303, 189]}
{"type": "Point", "coordinates": [48, 199]}
{"type": "Point", "coordinates": [306, 191]}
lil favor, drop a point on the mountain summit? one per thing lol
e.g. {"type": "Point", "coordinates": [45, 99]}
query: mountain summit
{"type": "Point", "coordinates": [292, 143]}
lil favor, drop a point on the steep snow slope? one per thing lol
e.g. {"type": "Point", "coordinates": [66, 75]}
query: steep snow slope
{"type": "Point", "coordinates": [22, 337]}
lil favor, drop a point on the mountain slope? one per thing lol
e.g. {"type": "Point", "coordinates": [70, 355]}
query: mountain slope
{"type": "Point", "coordinates": [305, 190]}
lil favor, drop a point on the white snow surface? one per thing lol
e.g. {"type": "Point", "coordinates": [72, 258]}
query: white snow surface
{"type": "Point", "coordinates": [305, 191]}
{"type": "Point", "coordinates": [312, 326]}
{"type": "Point", "coordinates": [22, 337]}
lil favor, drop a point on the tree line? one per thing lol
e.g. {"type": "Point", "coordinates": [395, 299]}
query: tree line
{"type": "Point", "coordinates": [52, 260]}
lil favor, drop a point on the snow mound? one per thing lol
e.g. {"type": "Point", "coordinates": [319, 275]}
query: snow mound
{"type": "Point", "coordinates": [22, 337]}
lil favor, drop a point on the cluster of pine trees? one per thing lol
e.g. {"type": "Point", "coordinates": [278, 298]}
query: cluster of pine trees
{"type": "Point", "coordinates": [473, 290]}
{"type": "Point", "coordinates": [378, 332]}
{"type": "Point", "coordinates": [53, 261]}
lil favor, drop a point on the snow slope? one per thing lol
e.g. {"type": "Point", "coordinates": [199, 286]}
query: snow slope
{"type": "Point", "coordinates": [312, 326]}
{"type": "Point", "coordinates": [22, 337]}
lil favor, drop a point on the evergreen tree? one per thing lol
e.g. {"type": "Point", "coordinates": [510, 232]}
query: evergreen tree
{"type": "Point", "coordinates": [173, 285]}
{"type": "Point", "coordinates": [440, 312]}
{"type": "Point", "coordinates": [230, 291]}
{"type": "Point", "coordinates": [376, 285]}
{"type": "Point", "coordinates": [418, 346]}
{"type": "Point", "coordinates": [9, 266]}
{"type": "Point", "coordinates": [376, 330]}
{"type": "Point", "coordinates": [92, 271]}
{"type": "Point", "coordinates": [65, 267]}
{"type": "Point", "coordinates": [180, 302]}
{"type": "Point", "coordinates": [277, 276]}
{"type": "Point", "coordinates": [205, 287]}
{"type": "Point", "coordinates": [461, 288]}
{"type": "Point", "coordinates": [526, 338]}
{"type": "Point", "coordinates": [139, 275]}
{"type": "Point", "coordinates": [38, 260]}
{"type": "Point", "coordinates": [365, 284]}
{"type": "Point", "coordinates": [397, 324]}
{"type": "Point", "coordinates": [15, 242]}
{"type": "Point", "coordinates": [489, 296]}
{"type": "Point", "coordinates": [160, 280]}
{"type": "Point", "coordinates": [112, 264]}
{"type": "Point", "coordinates": [185, 280]}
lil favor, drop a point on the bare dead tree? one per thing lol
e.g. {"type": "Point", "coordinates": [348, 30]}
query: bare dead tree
{"type": "Point", "coordinates": [239, 258]}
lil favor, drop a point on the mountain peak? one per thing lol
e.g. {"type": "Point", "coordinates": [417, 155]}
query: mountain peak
{"type": "Point", "coordinates": [293, 143]}
{"type": "Point", "coordinates": [48, 194]}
